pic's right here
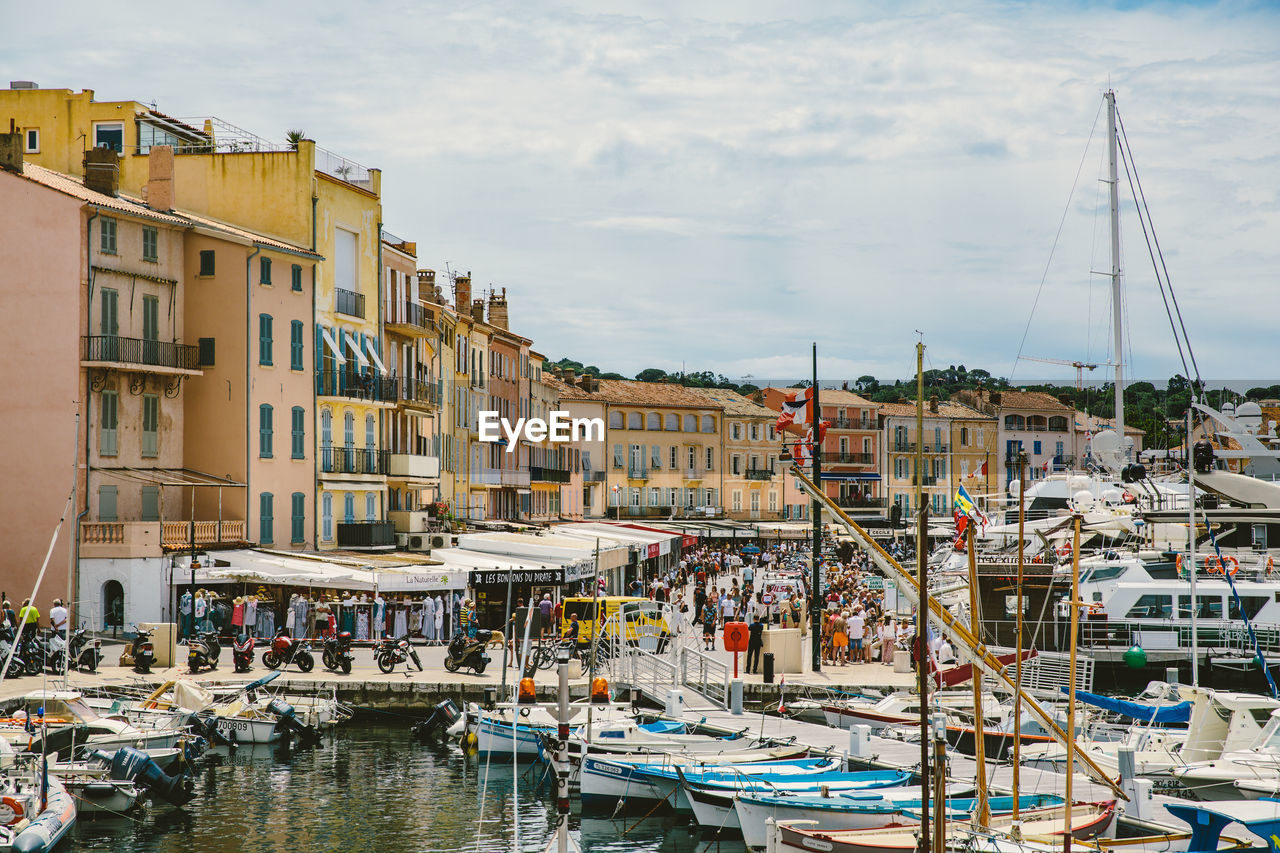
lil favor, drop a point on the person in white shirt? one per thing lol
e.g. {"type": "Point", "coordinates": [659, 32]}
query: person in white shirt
{"type": "Point", "coordinates": [58, 618]}
{"type": "Point", "coordinates": [728, 608]}
{"type": "Point", "coordinates": [857, 626]}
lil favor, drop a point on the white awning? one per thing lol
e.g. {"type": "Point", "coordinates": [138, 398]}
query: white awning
{"type": "Point", "coordinates": [373, 354]}
{"type": "Point", "coordinates": [355, 348]}
{"type": "Point", "coordinates": [332, 344]}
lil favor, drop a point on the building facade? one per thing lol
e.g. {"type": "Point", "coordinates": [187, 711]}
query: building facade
{"type": "Point", "coordinates": [957, 442]}
{"type": "Point", "coordinates": [752, 480]}
{"type": "Point", "coordinates": [1030, 421]}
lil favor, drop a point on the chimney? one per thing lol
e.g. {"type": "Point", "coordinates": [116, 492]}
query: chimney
{"type": "Point", "coordinates": [570, 375]}
{"type": "Point", "coordinates": [462, 294]}
{"type": "Point", "coordinates": [11, 152]}
{"type": "Point", "coordinates": [1065, 399]}
{"type": "Point", "coordinates": [160, 178]}
{"type": "Point", "coordinates": [933, 404]}
{"type": "Point", "coordinates": [427, 285]}
{"type": "Point", "coordinates": [498, 309]}
{"type": "Point", "coordinates": [556, 372]}
{"type": "Point", "coordinates": [477, 310]}
{"type": "Point", "coordinates": [102, 170]}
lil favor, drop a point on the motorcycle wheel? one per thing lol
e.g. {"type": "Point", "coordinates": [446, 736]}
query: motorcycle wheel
{"type": "Point", "coordinates": [386, 663]}
{"type": "Point", "coordinates": [327, 659]}
{"type": "Point", "coordinates": [479, 667]}
{"type": "Point", "coordinates": [305, 662]}
{"type": "Point", "coordinates": [346, 666]}
{"type": "Point", "coordinates": [269, 660]}
{"type": "Point", "coordinates": [416, 660]}
{"type": "Point", "coordinates": [450, 664]}
{"type": "Point", "coordinates": [58, 663]}
{"type": "Point", "coordinates": [34, 666]}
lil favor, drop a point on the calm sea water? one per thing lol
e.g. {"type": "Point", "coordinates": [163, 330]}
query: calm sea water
{"type": "Point", "coordinates": [372, 788]}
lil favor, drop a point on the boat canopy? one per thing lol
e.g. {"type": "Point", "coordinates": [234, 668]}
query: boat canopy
{"type": "Point", "coordinates": [1179, 713]}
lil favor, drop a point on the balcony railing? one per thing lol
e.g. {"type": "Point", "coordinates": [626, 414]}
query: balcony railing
{"type": "Point", "coordinates": [910, 447]}
{"type": "Point", "coordinates": [356, 386]}
{"type": "Point", "coordinates": [637, 472]}
{"type": "Point", "coordinates": [860, 503]}
{"type": "Point", "coordinates": [849, 458]}
{"type": "Point", "coordinates": [366, 534]}
{"type": "Point", "coordinates": [500, 476]}
{"type": "Point", "coordinates": [350, 303]}
{"type": "Point", "coordinates": [845, 423]}
{"type": "Point", "coordinates": [411, 314]}
{"type": "Point", "coordinates": [539, 474]}
{"type": "Point", "coordinates": [354, 460]}
{"type": "Point", "coordinates": [418, 391]}
{"type": "Point", "coordinates": [596, 476]}
{"type": "Point", "coordinates": [758, 474]}
{"type": "Point", "coordinates": [138, 351]}
{"type": "Point", "coordinates": [693, 473]}
{"type": "Point", "coordinates": [924, 481]}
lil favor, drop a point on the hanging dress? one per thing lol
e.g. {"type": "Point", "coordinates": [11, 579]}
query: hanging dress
{"type": "Point", "coordinates": [402, 621]}
{"type": "Point", "coordinates": [362, 623]}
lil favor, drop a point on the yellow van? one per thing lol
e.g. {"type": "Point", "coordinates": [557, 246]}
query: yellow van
{"type": "Point", "coordinates": [642, 622]}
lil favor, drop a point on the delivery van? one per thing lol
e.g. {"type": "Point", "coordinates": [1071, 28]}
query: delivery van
{"type": "Point", "coordinates": [643, 619]}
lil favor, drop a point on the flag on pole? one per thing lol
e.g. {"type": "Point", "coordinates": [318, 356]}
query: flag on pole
{"type": "Point", "coordinates": [797, 410]}
{"type": "Point", "coordinates": [980, 471]}
{"type": "Point", "coordinates": [964, 505]}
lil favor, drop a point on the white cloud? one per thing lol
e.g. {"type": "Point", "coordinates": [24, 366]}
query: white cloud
{"type": "Point", "coordinates": [721, 184]}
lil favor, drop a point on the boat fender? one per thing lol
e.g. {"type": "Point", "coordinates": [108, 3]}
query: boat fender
{"type": "Point", "coordinates": [1271, 565]}
{"type": "Point", "coordinates": [14, 807]}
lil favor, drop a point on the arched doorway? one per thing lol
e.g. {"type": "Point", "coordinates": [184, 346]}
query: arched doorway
{"type": "Point", "coordinates": [112, 605]}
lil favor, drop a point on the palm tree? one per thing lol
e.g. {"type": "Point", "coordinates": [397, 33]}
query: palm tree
{"type": "Point", "coordinates": [294, 137]}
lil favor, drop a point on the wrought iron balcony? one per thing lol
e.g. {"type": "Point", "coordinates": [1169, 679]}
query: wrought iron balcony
{"type": "Point", "coordinates": [637, 472]}
{"type": "Point", "coordinates": [350, 303]}
{"type": "Point", "coordinates": [366, 534]}
{"type": "Point", "coordinates": [540, 474]}
{"type": "Point", "coordinates": [596, 476]}
{"type": "Point", "coordinates": [112, 348]}
{"type": "Point", "coordinates": [910, 447]}
{"type": "Point", "coordinates": [849, 458]}
{"type": "Point", "coordinates": [412, 314]}
{"type": "Point", "coordinates": [356, 386]}
{"type": "Point", "coordinates": [845, 423]}
{"type": "Point", "coordinates": [418, 392]}
{"type": "Point", "coordinates": [354, 460]}
{"type": "Point", "coordinates": [758, 474]}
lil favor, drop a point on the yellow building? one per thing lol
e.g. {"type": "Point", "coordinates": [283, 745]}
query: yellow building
{"type": "Point", "coordinates": [958, 442]}
{"type": "Point", "coordinates": [752, 481]}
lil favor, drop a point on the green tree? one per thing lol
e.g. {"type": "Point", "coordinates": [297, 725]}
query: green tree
{"type": "Point", "coordinates": [651, 374]}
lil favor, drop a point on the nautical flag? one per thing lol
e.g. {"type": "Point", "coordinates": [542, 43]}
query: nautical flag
{"type": "Point", "coordinates": [980, 471]}
{"type": "Point", "coordinates": [797, 410]}
{"type": "Point", "coordinates": [965, 505]}
{"type": "Point", "coordinates": [1046, 466]}
{"type": "Point", "coordinates": [804, 447]}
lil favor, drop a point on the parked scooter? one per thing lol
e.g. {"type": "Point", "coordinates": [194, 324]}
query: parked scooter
{"type": "Point", "coordinates": [18, 667]}
{"type": "Point", "coordinates": [85, 651]}
{"type": "Point", "coordinates": [143, 652]}
{"type": "Point", "coordinates": [391, 652]}
{"type": "Point", "coordinates": [336, 654]}
{"type": "Point", "coordinates": [242, 653]}
{"type": "Point", "coordinates": [203, 651]}
{"type": "Point", "coordinates": [286, 650]}
{"type": "Point", "coordinates": [468, 652]}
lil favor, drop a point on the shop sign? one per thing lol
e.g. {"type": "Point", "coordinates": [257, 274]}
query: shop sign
{"type": "Point", "coordinates": [651, 551]}
{"type": "Point", "coordinates": [499, 577]}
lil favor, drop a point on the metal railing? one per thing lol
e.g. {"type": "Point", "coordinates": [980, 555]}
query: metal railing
{"type": "Point", "coordinates": [353, 460]}
{"type": "Point", "coordinates": [910, 447]}
{"type": "Point", "coordinates": [706, 675]}
{"type": "Point", "coordinates": [845, 423]}
{"type": "Point", "coordinates": [849, 458]}
{"type": "Point", "coordinates": [356, 386]}
{"type": "Point", "coordinates": [342, 168]}
{"type": "Point", "coordinates": [758, 474]}
{"type": "Point", "coordinates": [139, 351]}
{"type": "Point", "coordinates": [597, 476]}
{"type": "Point", "coordinates": [366, 534]}
{"type": "Point", "coordinates": [418, 391]}
{"type": "Point", "coordinates": [411, 314]}
{"type": "Point", "coordinates": [350, 302]}
{"type": "Point", "coordinates": [637, 472]}
{"type": "Point", "coordinates": [860, 503]}
{"type": "Point", "coordinates": [541, 474]}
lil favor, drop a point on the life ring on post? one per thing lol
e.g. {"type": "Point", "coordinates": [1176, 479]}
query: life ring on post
{"type": "Point", "coordinates": [14, 809]}
{"type": "Point", "coordinates": [1065, 550]}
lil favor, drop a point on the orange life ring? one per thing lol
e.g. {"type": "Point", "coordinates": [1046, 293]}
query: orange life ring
{"type": "Point", "coordinates": [1271, 565]}
{"type": "Point", "coordinates": [1064, 550]}
{"type": "Point", "coordinates": [15, 807]}
{"type": "Point", "coordinates": [1216, 565]}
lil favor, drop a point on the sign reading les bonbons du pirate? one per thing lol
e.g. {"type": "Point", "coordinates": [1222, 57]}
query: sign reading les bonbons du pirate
{"type": "Point", "coordinates": [498, 577]}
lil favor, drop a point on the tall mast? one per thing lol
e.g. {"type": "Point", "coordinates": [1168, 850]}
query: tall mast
{"type": "Point", "coordinates": [922, 611]}
{"type": "Point", "coordinates": [1117, 310]}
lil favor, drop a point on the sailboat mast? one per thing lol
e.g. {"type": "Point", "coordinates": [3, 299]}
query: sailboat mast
{"type": "Point", "coordinates": [922, 610]}
{"type": "Point", "coordinates": [982, 816]}
{"type": "Point", "coordinates": [1191, 548]}
{"type": "Point", "coordinates": [1117, 311]}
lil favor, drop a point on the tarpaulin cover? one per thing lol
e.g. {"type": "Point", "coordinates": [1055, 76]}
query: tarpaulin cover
{"type": "Point", "coordinates": [1179, 713]}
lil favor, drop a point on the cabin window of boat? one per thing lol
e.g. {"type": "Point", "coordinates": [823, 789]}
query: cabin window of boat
{"type": "Point", "coordinates": [1252, 604]}
{"type": "Point", "coordinates": [1162, 571]}
{"type": "Point", "coordinates": [1210, 607]}
{"type": "Point", "coordinates": [1104, 573]}
{"type": "Point", "coordinates": [1270, 738]}
{"type": "Point", "coordinates": [1151, 607]}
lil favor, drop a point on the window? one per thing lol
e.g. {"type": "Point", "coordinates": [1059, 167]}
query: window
{"type": "Point", "coordinates": [773, 501]}
{"type": "Point", "coordinates": [1210, 606]}
{"type": "Point", "coordinates": [673, 423]}
{"type": "Point", "coordinates": [151, 329]}
{"type": "Point", "coordinates": [1014, 422]}
{"type": "Point", "coordinates": [264, 431]}
{"type": "Point", "coordinates": [655, 496]}
{"type": "Point", "coordinates": [295, 345]}
{"type": "Point", "coordinates": [755, 432]}
{"type": "Point", "coordinates": [109, 318]}
{"type": "Point", "coordinates": [674, 461]}
{"type": "Point", "coordinates": [1035, 448]}
{"type": "Point", "coordinates": [150, 244]}
{"type": "Point", "coordinates": [299, 432]}
{"type": "Point", "coordinates": [964, 436]}
{"type": "Point", "coordinates": [33, 140]}
{"type": "Point", "coordinates": [348, 508]}
{"type": "Point", "coordinates": [108, 423]}
{"type": "Point", "coordinates": [690, 423]}
{"type": "Point", "coordinates": [108, 232]}
{"type": "Point", "coordinates": [693, 458]}
{"type": "Point", "coordinates": [635, 497]}
{"type": "Point", "coordinates": [708, 423]}
{"type": "Point", "coordinates": [297, 518]}
{"type": "Point", "coordinates": [635, 420]}
{"type": "Point", "coordinates": [266, 524]}
{"type": "Point", "coordinates": [1252, 604]}
{"type": "Point", "coordinates": [206, 262]}
{"type": "Point", "coordinates": [150, 425]}
{"type": "Point", "coordinates": [654, 421]}
{"type": "Point", "coordinates": [295, 278]}
{"type": "Point", "coordinates": [348, 429]}
{"type": "Point", "coordinates": [370, 507]}
{"type": "Point", "coordinates": [264, 339]}
{"type": "Point", "coordinates": [655, 457]}
{"type": "Point", "coordinates": [264, 270]}
{"type": "Point", "coordinates": [617, 456]}
{"type": "Point", "coordinates": [1057, 449]}
{"type": "Point", "coordinates": [107, 503]}
{"type": "Point", "coordinates": [1057, 423]}
{"type": "Point", "coordinates": [615, 420]}
{"type": "Point", "coordinates": [326, 523]}
{"type": "Point", "coordinates": [735, 431]}
{"type": "Point", "coordinates": [370, 432]}
{"type": "Point", "coordinates": [977, 440]}
{"type": "Point", "coordinates": [150, 503]}
{"type": "Point", "coordinates": [755, 501]}
{"type": "Point", "coordinates": [737, 501]}
{"type": "Point", "coordinates": [711, 458]}
{"type": "Point", "coordinates": [1151, 607]}
{"type": "Point", "coordinates": [735, 465]}
{"type": "Point", "coordinates": [109, 135]}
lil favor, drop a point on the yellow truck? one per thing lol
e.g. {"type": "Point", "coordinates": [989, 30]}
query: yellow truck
{"type": "Point", "coordinates": [643, 620]}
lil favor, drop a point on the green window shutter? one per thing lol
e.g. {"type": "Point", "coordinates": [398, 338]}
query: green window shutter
{"type": "Point", "coordinates": [266, 524]}
{"type": "Point", "coordinates": [264, 339]}
{"type": "Point", "coordinates": [107, 424]}
{"type": "Point", "coordinates": [296, 278]}
{"type": "Point", "coordinates": [150, 503]}
{"type": "Point", "coordinates": [264, 266]}
{"type": "Point", "coordinates": [295, 345]}
{"type": "Point", "coordinates": [299, 432]}
{"type": "Point", "coordinates": [106, 503]}
{"type": "Point", "coordinates": [298, 520]}
{"type": "Point", "coordinates": [150, 425]}
{"type": "Point", "coordinates": [264, 431]}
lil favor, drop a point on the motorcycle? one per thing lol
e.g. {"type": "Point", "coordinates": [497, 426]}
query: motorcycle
{"type": "Point", "coordinates": [336, 654]}
{"type": "Point", "coordinates": [143, 652]}
{"type": "Point", "coordinates": [86, 652]}
{"type": "Point", "coordinates": [468, 652]}
{"type": "Point", "coordinates": [203, 651]}
{"type": "Point", "coordinates": [242, 653]}
{"type": "Point", "coordinates": [391, 652]}
{"type": "Point", "coordinates": [18, 667]}
{"type": "Point", "coordinates": [286, 650]}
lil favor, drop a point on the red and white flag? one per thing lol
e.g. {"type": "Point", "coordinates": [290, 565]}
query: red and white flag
{"type": "Point", "coordinates": [797, 410]}
{"type": "Point", "coordinates": [980, 471]}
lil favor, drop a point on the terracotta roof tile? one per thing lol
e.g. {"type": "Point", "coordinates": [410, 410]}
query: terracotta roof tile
{"type": "Point", "coordinates": [735, 404]}
{"type": "Point", "coordinates": [631, 392]}
{"type": "Point", "coordinates": [946, 409]}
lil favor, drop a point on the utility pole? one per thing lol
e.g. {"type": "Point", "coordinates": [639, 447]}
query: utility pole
{"type": "Point", "coordinates": [815, 612]}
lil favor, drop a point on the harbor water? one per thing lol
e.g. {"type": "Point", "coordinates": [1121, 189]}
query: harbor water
{"type": "Point", "coordinates": [372, 787]}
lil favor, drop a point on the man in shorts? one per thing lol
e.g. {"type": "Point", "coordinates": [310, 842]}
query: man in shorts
{"type": "Point", "coordinates": [857, 627]}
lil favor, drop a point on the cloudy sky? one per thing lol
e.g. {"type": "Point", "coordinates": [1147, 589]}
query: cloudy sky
{"type": "Point", "coordinates": [717, 184]}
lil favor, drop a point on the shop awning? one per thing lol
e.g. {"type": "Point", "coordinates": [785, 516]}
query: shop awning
{"type": "Point", "coordinates": [355, 348]}
{"type": "Point", "coordinates": [332, 343]}
{"type": "Point", "coordinates": [257, 567]}
{"type": "Point", "coordinates": [373, 354]}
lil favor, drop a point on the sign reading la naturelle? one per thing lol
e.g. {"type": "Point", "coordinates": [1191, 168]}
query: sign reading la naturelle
{"type": "Point", "coordinates": [498, 577]}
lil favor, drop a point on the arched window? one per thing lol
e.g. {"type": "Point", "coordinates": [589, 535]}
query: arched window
{"type": "Point", "coordinates": [1014, 422]}
{"type": "Point", "coordinates": [370, 507]}
{"type": "Point", "coordinates": [349, 429]}
{"type": "Point", "coordinates": [112, 605]}
{"type": "Point", "coordinates": [1057, 423]}
{"type": "Point", "coordinates": [654, 421]}
{"type": "Point", "coordinates": [370, 432]}
{"type": "Point", "coordinates": [673, 422]}
{"type": "Point", "coordinates": [615, 420]}
{"type": "Point", "coordinates": [635, 420]}
{"type": "Point", "coordinates": [690, 423]}
{"type": "Point", "coordinates": [708, 423]}
{"type": "Point", "coordinates": [349, 508]}
{"type": "Point", "coordinates": [1036, 422]}
{"type": "Point", "coordinates": [326, 427]}
{"type": "Point", "coordinates": [326, 511]}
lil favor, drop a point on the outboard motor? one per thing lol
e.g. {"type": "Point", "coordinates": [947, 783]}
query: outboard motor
{"type": "Point", "coordinates": [1202, 456]}
{"type": "Point", "coordinates": [443, 715]}
{"type": "Point", "coordinates": [134, 765]}
{"type": "Point", "coordinates": [290, 722]}
{"type": "Point", "coordinates": [207, 726]}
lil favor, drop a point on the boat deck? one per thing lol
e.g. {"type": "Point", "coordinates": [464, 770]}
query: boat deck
{"type": "Point", "coordinates": [891, 754]}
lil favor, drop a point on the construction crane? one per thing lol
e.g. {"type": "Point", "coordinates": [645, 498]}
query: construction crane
{"type": "Point", "coordinates": [1080, 366]}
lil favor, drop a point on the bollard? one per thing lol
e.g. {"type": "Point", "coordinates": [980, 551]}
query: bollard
{"type": "Point", "coordinates": [768, 667]}
{"type": "Point", "coordinates": [770, 833]}
{"type": "Point", "coordinates": [860, 741]}
{"type": "Point", "coordinates": [1124, 757]}
{"type": "Point", "coordinates": [675, 703]}
{"type": "Point", "coordinates": [735, 696]}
